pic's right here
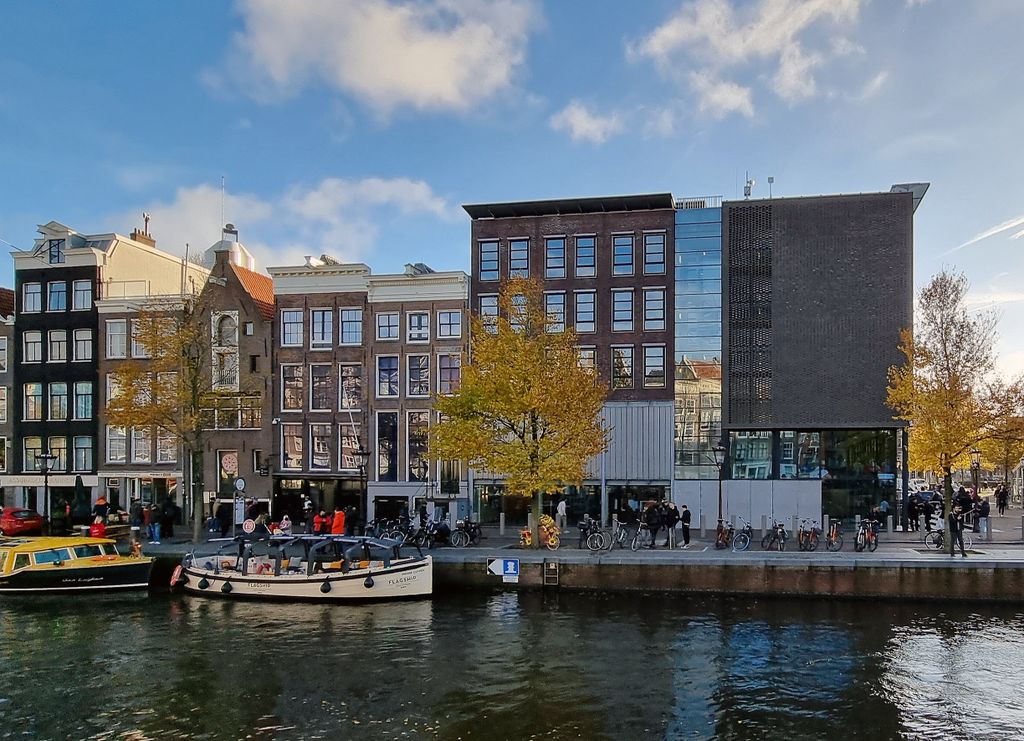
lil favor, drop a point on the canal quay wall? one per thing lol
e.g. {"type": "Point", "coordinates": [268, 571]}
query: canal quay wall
{"type": "Point", "coordinates": [907, 574]}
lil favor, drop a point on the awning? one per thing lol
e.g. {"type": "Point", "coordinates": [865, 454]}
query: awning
{"type": "Point", "coordinates": [54, 480]}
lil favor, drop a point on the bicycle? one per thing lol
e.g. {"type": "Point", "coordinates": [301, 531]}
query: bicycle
{"type": "Point", "coordinates": [466, 533]}
{"type": "Point", "coordinates": [775, 537]}
{"type": "Point", "coordinates": [592, 535]}
{"type": "Point", "coordinates": [641, 538]}
{"type": "Point", "coordinates": [724, 535]}
{"type": "Point", "coordinates": [937, 539]}
{"type": "Point", "coordinates": [742, 540]}
{"type": "Point", "coordinates": [620, 536]}
{"type": "Point", "coordinates": [834, 539]}
{"type": "Point", "coordinates": [807, 537]}
{"type": "Point", "coordinates": [867, 536]}
{"type": "Point", "coordinates": [548, 532]}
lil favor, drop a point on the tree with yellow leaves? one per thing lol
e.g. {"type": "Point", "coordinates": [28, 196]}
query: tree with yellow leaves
{"type": "Point", "coordinates": [948, 388]}
{"type": "Point", "coordinates": [526, 409]}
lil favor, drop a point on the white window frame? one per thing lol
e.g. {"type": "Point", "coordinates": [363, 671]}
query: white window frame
{"type": "Point", "coordinates": [148, 438]}
{"type": "Point", "coordinates": [3, 404]}
{"type": "Point", "coordinates": [49, 402]}
{"type": "Point", "coordinates": [3, 355]}
{"type": "Point", "coordinates": [123, 335]}
{"type": "Point", "coordinates": [74, 452]}
{"type": "Point", "coordinates": [74, 400]}
{"type": "Point", "coordinates": [376, 377]}
{"type": "Point", "coordinates": [348, 430]}
{"type": "Point", "coordinates": [49, 293]}
{"type": "Point", "coordinates": [431, 470]}
{"type": "Point", "coordinates": [341, 387]}
{"type": "Point", "coordinates": [106, 447]}
{"type": "Point", "coordinates": [443, 328]}
{"type": "Point", "coordinates": [24, 401]}
{"type": "Point", "coordinates": [284, 324]}
{"type": "Point", "coordinates": [408, 376]}
{"type": "Point", "coordinates": [341, 326]}
{"type": "Point", "coordinates": [74, 295]}
{"type": "Point", "coordinates": [302, 453]}
{"type": "Point", "coordinates": [397, 326]}
{"type": "Point", "coordinates": [88, 343]}
{"type": "Point", "coordinates": [38, 335]}
{"type": "Point", "coordinates": [38, 293]}
{"type": "Point", "coordinates": [490, 321]}
{"type": "Point", "coordinates": [302, 376]}
{"type": "Point", "coordinates": [664, 370]}
{"type": "Point", "coordinates": [458, 357]}
{"type": "Point", "coordinates": [309, 398]}
{"type": "Point", "coordinates": [419, 339]}
{"type": "Point", "coordinates": [53, 336]}
{"type": "Point", "coordinates": [321, 344]}
{"type": "Point", "coordinates": [309, 440]}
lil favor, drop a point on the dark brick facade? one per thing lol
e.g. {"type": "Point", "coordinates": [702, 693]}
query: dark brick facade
{"type": "Point", "coordinates": [827, 287]}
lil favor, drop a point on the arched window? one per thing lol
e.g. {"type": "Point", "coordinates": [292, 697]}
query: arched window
{"type": "Point", "coordinates": [227, 331]}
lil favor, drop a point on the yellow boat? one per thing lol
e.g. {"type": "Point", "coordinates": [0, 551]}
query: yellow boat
{"type": "Point", "coordinates": [31, 565]}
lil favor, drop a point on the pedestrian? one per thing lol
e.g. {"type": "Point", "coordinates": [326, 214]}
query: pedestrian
{"type": "Point", "coordinates": [956, 530]}
{"type": "Point", "coordinates": [684, 519]}
{"type": "Point", "coordinates": [350, 521]}
{"type": "Point", "coordinates": [984, 509]}
{"type": "Point", "coordinates": [338, 522]}
{"type": "Point", "coordinates": [1002, 499]}
{"type": "Point", "coordinates": [929, 510]}
{"type": "Point", "coordinates": [560, 514]}
{"type": "Point", "coordinates": [307, 514]}
{"type": "Point", "coordinates": [321, 523]}
{"type": "Point", "coordinates": [101, 509]}
{"type": "Point", "coordinates": [223, 515]}
{"type": "Point", "coordinates": [136, 515]}
{"type": "Point", "coordinates": [913, 512]}
{"type": "Point", "coordinates": [154, 525]}
{"type": "Point", "coordinates": [285, 526]}
{"type": "Point", "coordinates": [671, 520]}
{"type": "Point", "coordinates": [652, 516]}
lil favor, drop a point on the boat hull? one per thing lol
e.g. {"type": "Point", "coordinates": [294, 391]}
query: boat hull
{"type": "Point", "coordinates": [117, 576]}
{"type": "Point", "coordinates": [405, 580]}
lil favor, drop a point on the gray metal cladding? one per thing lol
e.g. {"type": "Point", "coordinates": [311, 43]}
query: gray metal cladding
{"type": "Point", "coordinates": [640, 441]}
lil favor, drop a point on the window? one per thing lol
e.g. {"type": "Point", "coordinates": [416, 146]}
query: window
{"type": "Point", "coordinates": [33, 347]}
{"type": "Point", "coordinates": [554, 312]}
{"type": "Point", "coordinates": [449, 323]}
{"type": "Point", "coordinates": [225, 370]}
{"type": "Point", "coordinates": [117, 338]}
{"type": "Point", "coordinates": [31, 298]}
{"type": "Point", "coordinates": [83, 344]}
{"type": "Point", "coordinates": [57, 296]}
{"type": "Point", "coordinates": [586, 317]}
{"type": "Point", "coordinates": [113, 387]}
{"type": "Point", "coordinates": [319, 447]}
{"type": "Point", "coordinates": [3, 354]}
{"type": "Point", "coordinates": [519, 258]}
{"type": "Point", "coordinates": [351, 326]}
{"type": "Point", "coordinates": [489, 260]}
{"type": "Point", "coordinates": [139, 349]}
{"type": "Point", "coordinates": [517, 313]}
{"type": "Point", "coordinates": [348, 446]}
{"type": "Point", "coordinates": [248, 329]}
{"type": "Point", "coordinates": [449, 373]}
{"type": "Point", "coordinates": [387, 375]}
{"type": "Point", "coordinates": [33, 448]}
{"type": "Point", "coordinates": [320, 387]}
{"type": "Point", "coordinates": [417, 429]}
{"type": "Point", "coordinates": [3, 404]}
{"type": "Point", "coordinates": [58, 400]}
{"type": "Point", "coordinates": [489, 313]}
{"type": "Point", "coordinates": [32, 409]}
{"type": "Point", "coordinates": [58, 346]}
{"type": "Point", "coordinates": [226, 331]}
{"type": "Point", "coordinates": [622, 367]}
{"type": "Point", "coordinates": [586, 262]}
{"type": "Point", "coordinates": [83, 453]}
{"type": "Point", "coordinates": [654, 254]}
{"type": "Point", "coordinates": [59, 450]}
{"type": "Point", "coordinates": [586, 357]}
{"type": "Point", "coordinates": [83, 400]}
{"type": "Point", "coordinates": [419, 327]}
{"type": "Point", "coordinates": [387, 446]}
{"type": "Point", "coordinates": [321, 328]}
{"type": "Point", "coordinates": [56, 251]}
{"type": "Point", "coordinates": [419, 375]}
{"type": "Point", "coordinates": [622, 254]}
{"type": "Point", "coordinates": [654, 367]}
{"type": "Point", "coordinates": [166, 448]}
{"type": "Point", "coordinates": [117, 445]}
{"type": "Point", "coordinates": [622, 311]}
{"type": "Point", "coordinates": [82, 297]}
{"type": "Point", "coordinates": [387, 326]}
{"type": "Point", "coordinates": [554, 257]}
{"type": "Point", "coordinates": [291, 387]}
{"type": "Point", "coordinates": [142, 445]}
{"type": "Point", "coordinates": [350, 394]}
{"type": "Point", "coordinates": [291, 445]}
{"type": "Point", "coordinates": [654, 309]}
{"type": "Point", "coordinates": [291, 328]}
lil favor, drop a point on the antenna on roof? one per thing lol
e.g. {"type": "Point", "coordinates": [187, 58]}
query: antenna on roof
{"type": "Point", "coordinates": [771, 179]}
{"type": "Point", "coordinates": [145, 223]}
{"type": "Point", "coordinates": [748, 186]}
{"type": "Point", "coordinates": [221, 199]}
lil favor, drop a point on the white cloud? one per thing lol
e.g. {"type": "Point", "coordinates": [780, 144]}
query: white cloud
{"type": "Point", "coordinates": [716, 37]}
{"type": "Point", "coordinates": [427, 54]}
{"type": "Point", "coordinates": [336, 216]}
{"type": "Point", "coordinates": [584, 126]}
{"type": "Point", "coordinates": [874, 85]}
{"type": "Point", "coordinates": [657, 122]}
{"type": "Point", "coordinates": [991, 232]}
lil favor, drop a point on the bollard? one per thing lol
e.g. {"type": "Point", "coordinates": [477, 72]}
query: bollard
{"type": "Point", "coordinates": [764, 525]}
{"type": "Point", "coordinates": [501, 524]}
{"type": "Point", "coordinates": [856, 524]}
{"type": "Point", "coordinates": [888, 524]}
{"type": "Point", "coordinates": [529, 521]}
{"type": "Point", "coordinates": [615, 524]}
{"type": "Point", "coordinates": [988, 529]}
{"type": "Point", "coordinates": [702, 528]}
{"type": "Point", "coordinates": [824, 524]}
{"type": "Point", "coordinates": [794, 530]}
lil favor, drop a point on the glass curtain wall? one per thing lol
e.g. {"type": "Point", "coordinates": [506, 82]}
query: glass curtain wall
{"type": "Point", "coordinates": [698, 336]}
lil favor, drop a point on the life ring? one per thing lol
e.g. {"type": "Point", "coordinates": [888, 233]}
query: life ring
{"type": "Point", "coordinates": [226, 564]}
{"type": "Point", "coordinates": [263, 568]}
{"type": "Point", "coordinates": [104, 558]}
{"type": "Point", "coordinates": [176, 575]}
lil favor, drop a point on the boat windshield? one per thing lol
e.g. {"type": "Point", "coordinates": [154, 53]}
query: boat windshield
{"type": "Point", "coordinates": [87, 551]}
{"type": "Point", "coordinates": [52, 556]}
{"type": "Point", "coordinates": [109, 549]}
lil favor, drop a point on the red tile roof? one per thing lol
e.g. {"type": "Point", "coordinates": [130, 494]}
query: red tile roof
{"type": "Point", "coordinates": [259, 287]}
{"type": "Point", "coordinates": [6, 302]}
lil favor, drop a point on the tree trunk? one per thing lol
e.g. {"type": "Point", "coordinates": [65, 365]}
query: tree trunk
{"type": "Point", "coordinates": [947, 490]}
{"type": "Point", "coordinates": [195, 496]}
{"type": "Point", "coordinates": [537, 509]}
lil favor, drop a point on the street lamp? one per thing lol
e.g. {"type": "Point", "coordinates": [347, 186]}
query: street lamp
{"type": "Point", "coordinates": [976, 468]}
{"type": "Point", "coordinates": [719, 451]}
{"type": "Point", "coordinates": [45, 460]}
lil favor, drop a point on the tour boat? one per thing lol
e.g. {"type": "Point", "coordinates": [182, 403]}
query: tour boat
{"type": "Point", "coordinates": [76, 564]}
{"type": "Point", "coordinates": [332, 568]}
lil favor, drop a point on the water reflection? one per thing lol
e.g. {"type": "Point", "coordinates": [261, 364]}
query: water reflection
{"type": "Point", "coordinates": [506, 666]}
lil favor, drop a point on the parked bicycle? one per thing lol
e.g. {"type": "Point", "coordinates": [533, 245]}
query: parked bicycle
{"type": "Point", "coordinates": [620, 536]}
{"type": "Point", "coordinates": [937, 539]}
{"type": "Point", "coordinates": [834, 539]}
{"type": "Point", "coordinates": [724, 535]}
{"type": "Point", "coordinates": [641, 538]}
{"type": "Point", "coordinates": [592, 536]}
{"type": "Point", "coordinates": [466, 533]}
{"type": "Point", "coordinates": [807, 537]}
{"type": "Point", "coordinates": [867, 535]}
{"type": "Point", "coordinates": [741, 541]}
{"type": "Point", "coordinates": [548, 532]}
{"type": "Point", "coordinates": [775, 537]}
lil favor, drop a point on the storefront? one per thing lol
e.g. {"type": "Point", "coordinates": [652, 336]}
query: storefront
{"type": "Point", "coordinates": [490, 501]}
{"type": "Point", "coordinates": [327, 494]}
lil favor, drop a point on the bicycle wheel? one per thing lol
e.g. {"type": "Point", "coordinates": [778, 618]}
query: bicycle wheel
{"type": "Point", "coordinates": [873, 543]}
{"type": "Point", "coordinates": [782, 544]}
{"type": "Point", "coordinates": [766, 541]}
{"type": "Point", "coordinates": [812, 542]}
{"type": "Point", "coordinates": [933, 539]}
{"type": "Point", "coordinates": [858, 542]}
{"type": "Point", "coordinates": [834, 544]}
{"type": "Point", "coordinates": [741, 542]}
{"type": "Point", "coordinates": [552, 542]}
{"type": "Point", "coordinates": [968, 542]}
{"type": "Point", "coordinates": [595, 541]}
{"type": "Point", "coordinates": [459, 539]}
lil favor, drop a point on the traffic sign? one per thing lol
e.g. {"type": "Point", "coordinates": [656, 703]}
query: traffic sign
{"type": "Point", "coordinates": [506, 568]}
{"type": "Point", "coordinates": [239, 484]}
{"type": "Point", "coordinates": [249, 526]}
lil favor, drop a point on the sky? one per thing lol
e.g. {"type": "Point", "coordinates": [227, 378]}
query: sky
{"type": "Point", "coordinates": [358, 128]}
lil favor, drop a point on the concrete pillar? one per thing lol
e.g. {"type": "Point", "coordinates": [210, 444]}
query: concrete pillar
{"type": "Point", "coordinates": [792, 532]}
{"type": "Point", "coordinates": [764, 525]}
{"type": "Point", "coordinates": [501, 523]}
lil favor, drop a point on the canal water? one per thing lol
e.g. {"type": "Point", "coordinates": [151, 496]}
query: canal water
{"type": "Point", "coordinates": [508, 666]}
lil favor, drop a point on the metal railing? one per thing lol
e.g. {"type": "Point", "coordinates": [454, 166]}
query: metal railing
{"type": "Point", "coordinates": [689, 202]}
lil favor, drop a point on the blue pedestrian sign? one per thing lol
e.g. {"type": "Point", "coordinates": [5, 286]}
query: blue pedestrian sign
{"type": "Point", "coordinates": [510, 567]}
{"type": "Point", "coordinates": [506, 568]}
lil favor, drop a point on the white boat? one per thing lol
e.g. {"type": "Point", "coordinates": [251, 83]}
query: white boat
{"type": "Point", "coordinates": [313, 568]}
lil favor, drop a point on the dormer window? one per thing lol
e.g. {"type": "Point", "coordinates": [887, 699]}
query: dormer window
{"type": "Point", "coordinates": [56, 251]}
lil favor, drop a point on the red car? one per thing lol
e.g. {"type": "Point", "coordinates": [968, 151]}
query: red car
{"type": "Point", "coordinates": [18, 521]}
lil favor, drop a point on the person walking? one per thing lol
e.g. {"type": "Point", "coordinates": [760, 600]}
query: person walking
{"type": "Point", "coordinates": [154, 525]}
{"type": "Point", "coordinates": [560, 514]}
{"type": "Point", "coordinates": [984, 509]}
{"type": "Point", "coordinates": [652, 517]}
{"type": "Point", "coordinates": [338, 522]}
{"type": "Point", "coordinates": [929, 510]}
{"type": "Point", "coordinates": [671, 520]}
{"type": "Point", "coordinates": [136, 516]}
{"type": "Point", "coordinates": [956, 530]}
{"type": "Point", "coordinates": [913, 512]}
{"type": "Point", "coordinates": [684, 519]}
{"type": "Point", "coordinates": [223, 515]}
{"type": "Point", "coordinates": [1002, 499]}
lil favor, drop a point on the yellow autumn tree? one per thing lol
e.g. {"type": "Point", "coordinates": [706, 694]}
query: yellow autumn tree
{"type": "Point", "coordinates": [526, 408]}
{"type": "Point", "coordinates": [948, 388]}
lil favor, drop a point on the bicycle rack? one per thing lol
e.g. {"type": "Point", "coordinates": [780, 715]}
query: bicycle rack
{"type": "Point", "coordinates": [550, 573]}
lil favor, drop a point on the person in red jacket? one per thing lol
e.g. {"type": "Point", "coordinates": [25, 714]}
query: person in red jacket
{"type": "Point", "coordinates": [338, 525]}
{"type": "Point", "coordinates": [321, 524]}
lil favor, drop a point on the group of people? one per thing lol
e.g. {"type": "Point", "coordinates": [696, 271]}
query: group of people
{"type": "Point", "coordinates": [156, 520]}
{"type": "Point", "coordinates": [662, 515]}
{"type": "Point", "coordinates": [964, 504]}
{"type": "Point", "coordinates": [342, 521]}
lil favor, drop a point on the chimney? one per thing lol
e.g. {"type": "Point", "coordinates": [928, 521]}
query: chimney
{"type": "Point", "coordinates": [140, 236]}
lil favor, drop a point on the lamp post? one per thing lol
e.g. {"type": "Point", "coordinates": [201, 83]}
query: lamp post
{"type": "Point", "coordinates": [719, 451]}
{"type": "Point", "coordinates": [45, 460]}
{"type": "Point", "coordinates": [976, 469]}
{"type": "Point", "coordinates": [363, 458]}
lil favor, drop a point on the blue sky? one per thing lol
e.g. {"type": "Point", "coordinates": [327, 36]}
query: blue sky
{"type": "Point", "coordinates": [358, 128]}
